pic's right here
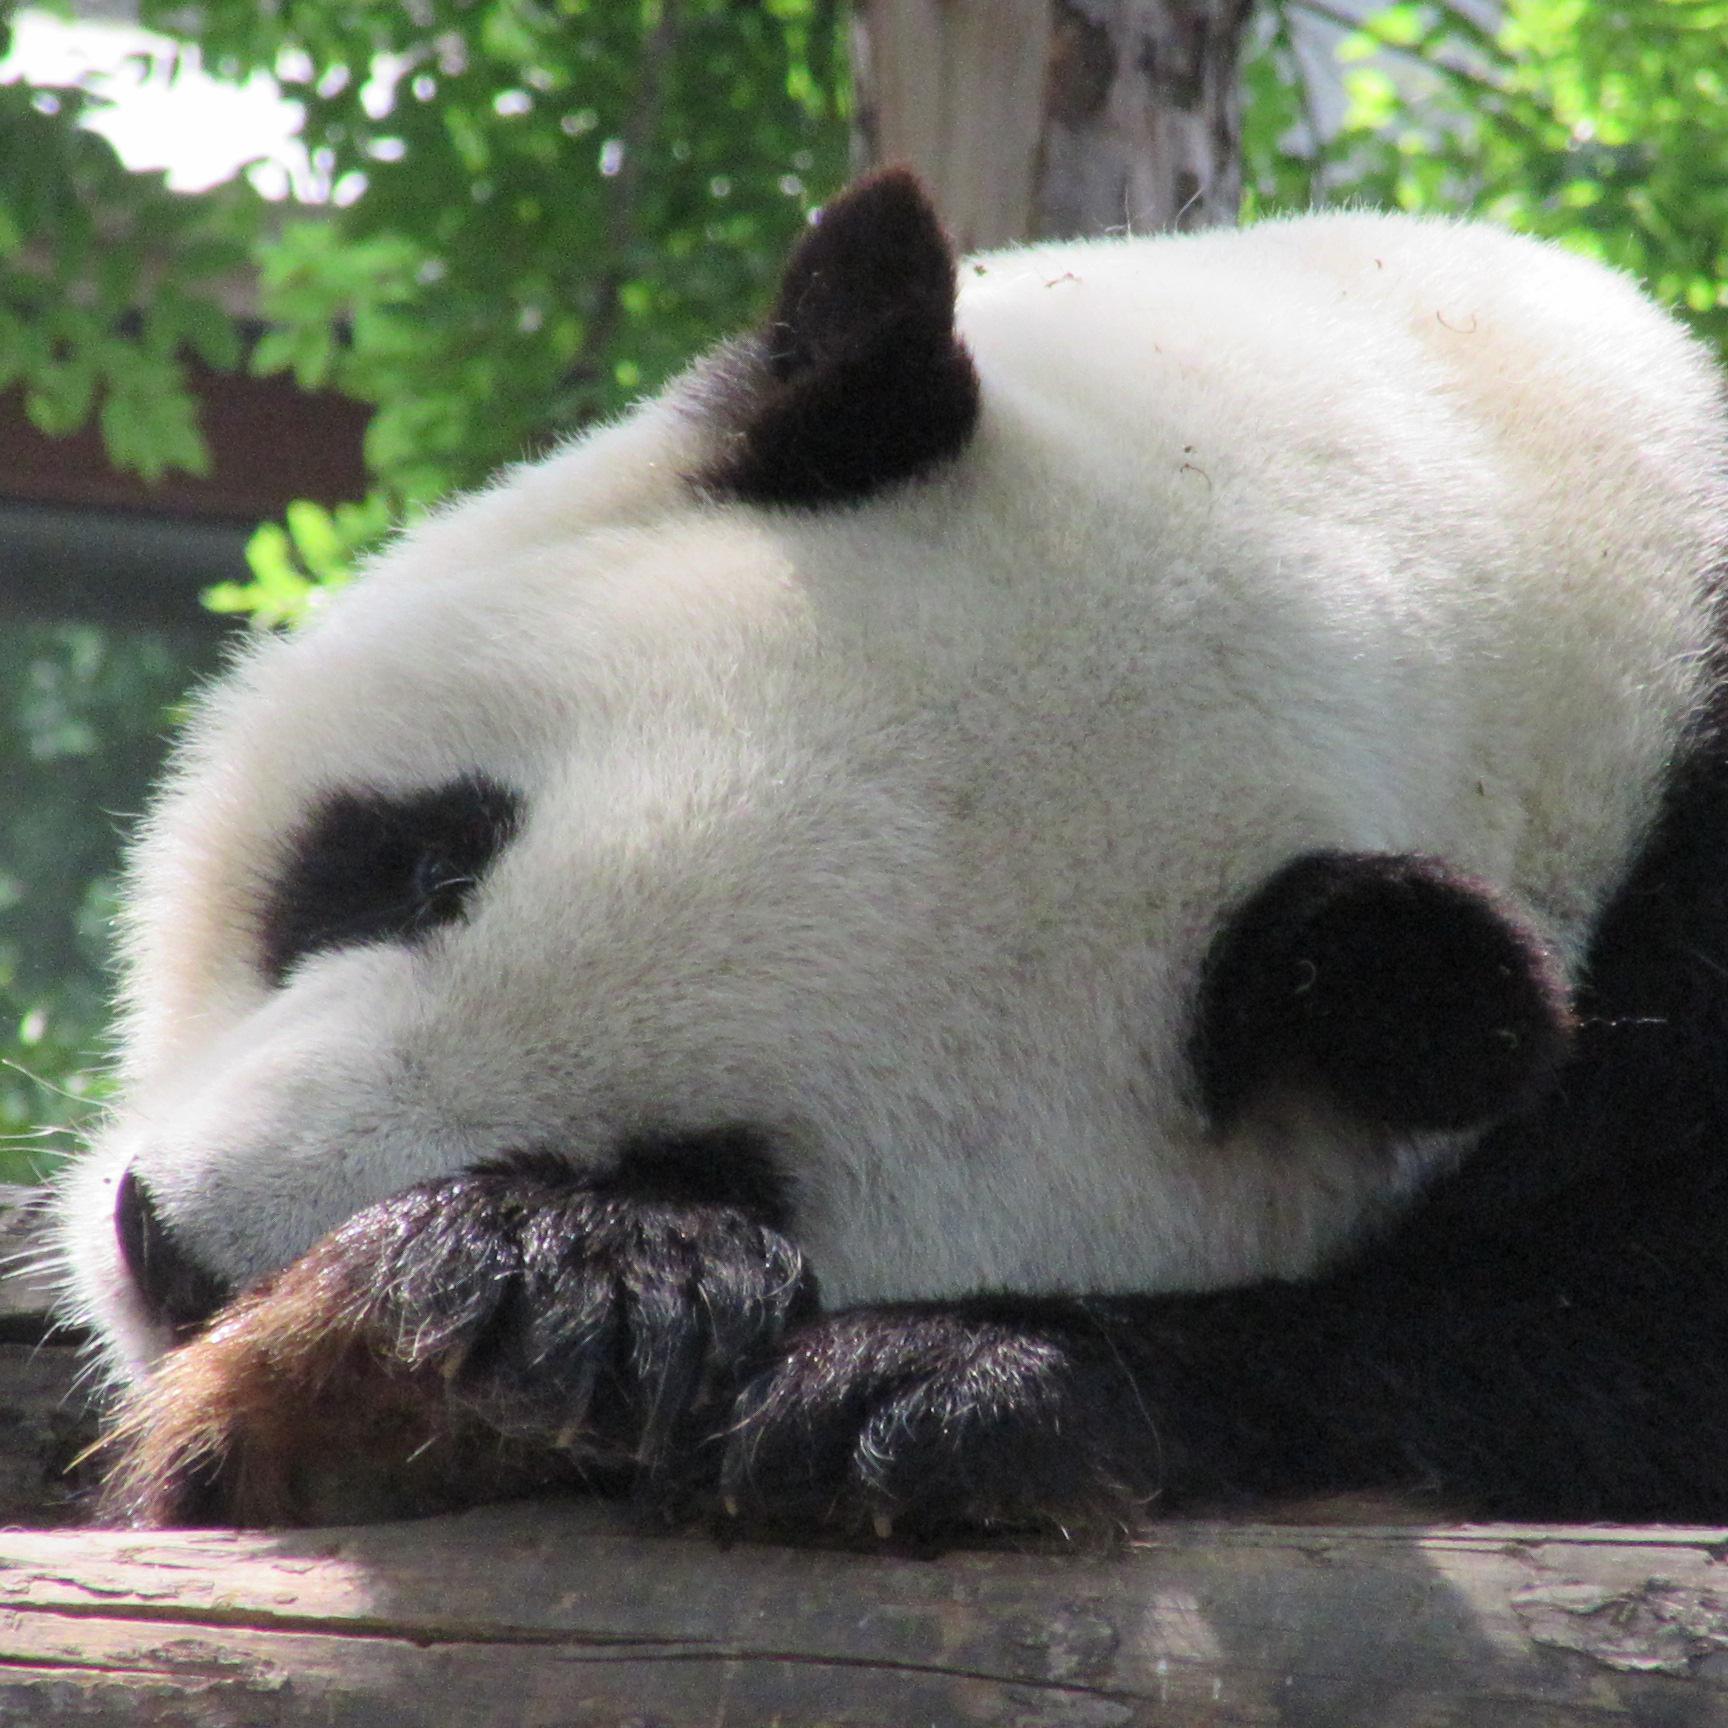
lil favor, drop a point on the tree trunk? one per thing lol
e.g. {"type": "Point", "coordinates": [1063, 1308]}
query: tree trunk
{"type": "Point", "coordinates": [1051, 118]}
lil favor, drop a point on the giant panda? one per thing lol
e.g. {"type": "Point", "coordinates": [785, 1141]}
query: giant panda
{"type": "Point", "coordinates": [1080, 883]}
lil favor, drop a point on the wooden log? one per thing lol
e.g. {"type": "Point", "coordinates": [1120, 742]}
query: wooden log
{"type": "Point", "coordinates": [1144, 116]}
{"type": "Point", "coordinates": [44, 1427]}
{"type": "Point", "coordinates": [44, 1421]}
{"type": "Point", "coordinates": [25, 1294]}
{"type": "Point", "coordinates": [560, 1613]}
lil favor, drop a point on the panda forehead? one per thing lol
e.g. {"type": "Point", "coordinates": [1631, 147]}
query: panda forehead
{"type": "Point", "coordinates": [406, 682]}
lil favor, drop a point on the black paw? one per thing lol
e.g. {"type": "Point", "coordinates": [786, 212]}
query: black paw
{"type": "Point", "coordinates": [471, 1338]}
{"type": "Point", "coordinates": [1408, 996]}
{"type": "Point", "coordinates": [612, 1328]}
{"type": "Point", "coordinates": [921, 1420]}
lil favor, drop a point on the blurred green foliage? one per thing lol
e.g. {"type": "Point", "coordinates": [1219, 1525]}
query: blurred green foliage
{"type": "Point", "coordinates": [1599, 123]}
{"type": "Point", "coordinates": [561, 202]}
{"type": "Point", "coordinates": [82, 716]}
{"type": "Point", "coordinates": [537, 209]}
{"type": "Point", "coordinates": [311, 552]}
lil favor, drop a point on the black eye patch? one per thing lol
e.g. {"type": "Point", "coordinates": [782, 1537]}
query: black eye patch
{"type": "Point", "coordinates": [382, 867]}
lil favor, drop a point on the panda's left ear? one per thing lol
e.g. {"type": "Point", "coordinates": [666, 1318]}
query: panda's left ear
{"type": "Point", "coordinates": [859, 380]}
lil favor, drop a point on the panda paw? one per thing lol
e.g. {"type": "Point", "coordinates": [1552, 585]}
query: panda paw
{"type": "Point", "coordinates": [917, 1421]}
{"type": "Point", "coordinates": [473, 1337]}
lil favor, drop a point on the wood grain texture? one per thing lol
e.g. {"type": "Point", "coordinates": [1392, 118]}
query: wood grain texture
{"type": "Point", "coordinates": [1143, 116]}
{"type": "Point", "coordinates": [561, 1614]}
{"type": "Point", "coordinates": [25, 1294]}
{"type": "Point", "coordinates": [1048, 119]}
{"type": "Point", "coordinates": [44, 1426]}
{"type": "Point", "coordinates": [44, 1421]}
{"type": "Point", "coordinates": [957, 93]}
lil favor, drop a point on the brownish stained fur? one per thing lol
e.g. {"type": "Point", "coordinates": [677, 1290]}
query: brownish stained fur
{"type": "Point", "coordinates": [297, 1407]}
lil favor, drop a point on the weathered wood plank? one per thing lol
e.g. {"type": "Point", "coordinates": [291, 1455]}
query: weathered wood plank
{"type": "Point", "coordinates": [44, 1425]}
{"type": "Point", "coordinates": [25, 1293]}
{"type": "Point", "coordinates": [44, 1422]}
{"type": "Point", "coordinates": [562, 1614]}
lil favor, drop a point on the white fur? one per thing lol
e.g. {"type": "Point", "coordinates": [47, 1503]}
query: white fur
{"type": "Point", "coordinates": [902, 828]}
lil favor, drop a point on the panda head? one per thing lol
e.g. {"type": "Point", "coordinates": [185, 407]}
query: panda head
{"type": "Point", "coordinates": [872, 781]}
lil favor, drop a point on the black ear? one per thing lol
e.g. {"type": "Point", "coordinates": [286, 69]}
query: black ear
{"type": "Point", "coordinates": [1400, 992]}
{"type": "Point", "coordinates": [859, 380]}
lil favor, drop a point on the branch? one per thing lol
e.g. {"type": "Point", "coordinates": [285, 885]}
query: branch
{"type": "Point", "coordinates": [623, 212]}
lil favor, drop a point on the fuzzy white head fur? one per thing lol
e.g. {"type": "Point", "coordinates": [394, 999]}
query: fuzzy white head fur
{"type": "Point", "coordinates": [901, 828]}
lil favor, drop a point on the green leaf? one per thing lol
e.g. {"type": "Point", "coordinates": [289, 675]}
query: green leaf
{"type": "Point", "coordinates": [59, 398]}
{"type": "Point", "coordinates": [270, 555]}
{"type": "Point", "coordinates": [316, 539]}
{"type": "Point", "coordinates": [15, 349]}
{"type": "Point", "coordinates": [1402, 25]}
{"type": "Point", "coordinates": [211, 334]}
{"type": "Point", "coordinates": [125, 433]}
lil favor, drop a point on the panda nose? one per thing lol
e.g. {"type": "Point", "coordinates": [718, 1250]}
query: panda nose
{"type": "Point", "coordinates": [180, 1292]}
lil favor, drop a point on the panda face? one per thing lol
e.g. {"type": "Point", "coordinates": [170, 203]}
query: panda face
{"type": "Point", "coordinates": [576, 863]}
{"type": "Point", "coordinates": [850, 818]}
